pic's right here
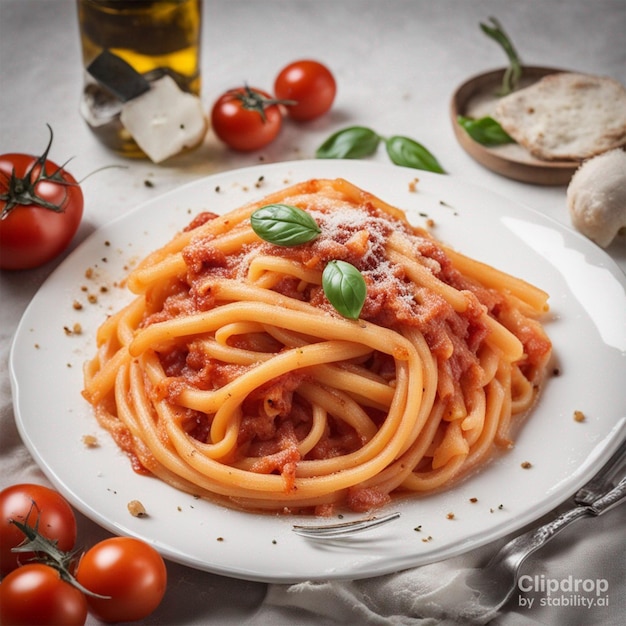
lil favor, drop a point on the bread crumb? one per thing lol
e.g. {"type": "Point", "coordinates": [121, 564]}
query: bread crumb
{"type": "Point", "coordinates": [90, 441]}
{"type": "Point", "coordinates": [526, 465]}
{"type": "Point", "coordinates": [137, 509]}
{"type": "Point", "coordinates": [579, 416]}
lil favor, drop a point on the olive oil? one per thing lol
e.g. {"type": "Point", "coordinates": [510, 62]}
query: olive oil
{"type": "Point", "coordinates": [155, 37]}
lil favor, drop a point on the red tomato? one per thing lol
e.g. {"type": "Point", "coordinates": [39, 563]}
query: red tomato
{"type": "Point", "coordinates": [310, 84]}
{"type": "Point", "coordinates": [246, 118]}
{"type": "Point", "coordinates": [36, 594]}
{"type": "Point", "coordinates": [33, 505]}
{"type": "Point", "coordinates": [130, 572]}
{"type": "Point", "coordinates": [41, 206]}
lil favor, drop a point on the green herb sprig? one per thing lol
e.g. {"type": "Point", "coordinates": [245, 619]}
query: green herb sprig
{"type": "Point", "coordinates": [287, 225]}
{"type": "Point", "coordinates": [356, 142]}
{"type": "Point", "coordinates": [353, 142]}
{"type": "Point", "coordinates": [284, 225]}
{"type": "Point", "coordinates": [513, 72]}
{"type": "Point", "coordinates": [345, 288]}
{"type": "Point", "coordinates": [485, 130]}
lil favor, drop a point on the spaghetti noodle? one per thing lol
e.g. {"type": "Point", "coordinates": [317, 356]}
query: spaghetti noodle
{"type": "Point", "coordinates": [231, 376]}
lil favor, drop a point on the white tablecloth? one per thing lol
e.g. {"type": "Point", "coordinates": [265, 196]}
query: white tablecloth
{"type": "Point", "coordinates": [397, 64]}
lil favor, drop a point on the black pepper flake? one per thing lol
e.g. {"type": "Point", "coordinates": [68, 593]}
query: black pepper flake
{"type": "Point", "coordinates": [418, 528]}
{"type": "Point", "coordinates": [148, 183]}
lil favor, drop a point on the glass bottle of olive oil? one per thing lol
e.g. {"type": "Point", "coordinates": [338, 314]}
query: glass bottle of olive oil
{"type": "Point", "coordinates": [155, 37]}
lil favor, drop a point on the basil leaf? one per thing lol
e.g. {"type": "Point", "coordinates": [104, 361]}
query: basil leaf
{"type": "Point", "coordinates": [350, 143]}
{"type": "Point", "coordinates": [409, 153]}
{"type": "Point", "coordinates": [345, 288]}
{"type": "Point", "coordinates": [284, 225]}
{"type": "Point", "coordinates": [485, 130]}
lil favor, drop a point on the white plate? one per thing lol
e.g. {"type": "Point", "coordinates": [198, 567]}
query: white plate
{"type": "Point", "coordinates": [586, 325]}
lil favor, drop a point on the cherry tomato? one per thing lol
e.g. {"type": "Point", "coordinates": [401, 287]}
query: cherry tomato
{"type": "Point", "coordinates": [310, 84]}
{"type": "Point", "coordinates": [41, 206]}
{"type": "Point", "coordinates": [33, 505]}
{"type": "Point", "coordinates": [246, 118]}
{"type": "Point", "coordinates": [130, 572]}
{"type": "Point", "coordinates": [36, 594]}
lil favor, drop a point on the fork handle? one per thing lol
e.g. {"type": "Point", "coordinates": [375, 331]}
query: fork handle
{"type": "Point", "coordinates": [534, 539]}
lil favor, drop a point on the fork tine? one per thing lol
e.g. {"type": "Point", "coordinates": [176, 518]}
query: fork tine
{"type": "Point", "coordinates": [342, 529]}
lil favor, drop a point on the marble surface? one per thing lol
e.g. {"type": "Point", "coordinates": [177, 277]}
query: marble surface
{"type": "Point", "coordinates": [397, 63]}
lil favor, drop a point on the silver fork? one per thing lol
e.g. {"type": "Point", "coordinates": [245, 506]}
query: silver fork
{"type": "Point", "coordinates": [492, 586]}
{"type": "Point", "coordinates": [334, 531]}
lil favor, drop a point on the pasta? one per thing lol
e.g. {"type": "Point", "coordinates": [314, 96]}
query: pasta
{"type": "Point", "coordinates": [232, 376]}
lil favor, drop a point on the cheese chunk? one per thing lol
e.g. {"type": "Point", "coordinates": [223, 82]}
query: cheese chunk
{"type": "Point", "coordinates": [165, 120]}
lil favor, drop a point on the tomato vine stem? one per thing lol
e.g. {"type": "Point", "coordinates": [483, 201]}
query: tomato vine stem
{"type": "Point", "coordinates": [23, 191]}
{"type": "Point", "coordinates": [48, 553]}
{"type": "Point", "coordinates": [254, 101]}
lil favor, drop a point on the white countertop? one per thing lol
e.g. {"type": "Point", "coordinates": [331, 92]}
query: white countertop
{"type": "Point", "coordinates": [397, 63]}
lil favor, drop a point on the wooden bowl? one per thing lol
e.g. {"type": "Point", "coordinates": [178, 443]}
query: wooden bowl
{"type": "Point", "coordinates": [476, 98]}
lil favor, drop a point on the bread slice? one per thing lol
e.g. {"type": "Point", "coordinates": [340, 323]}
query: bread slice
{"type": "Point", "coordinates": [566, 116]}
